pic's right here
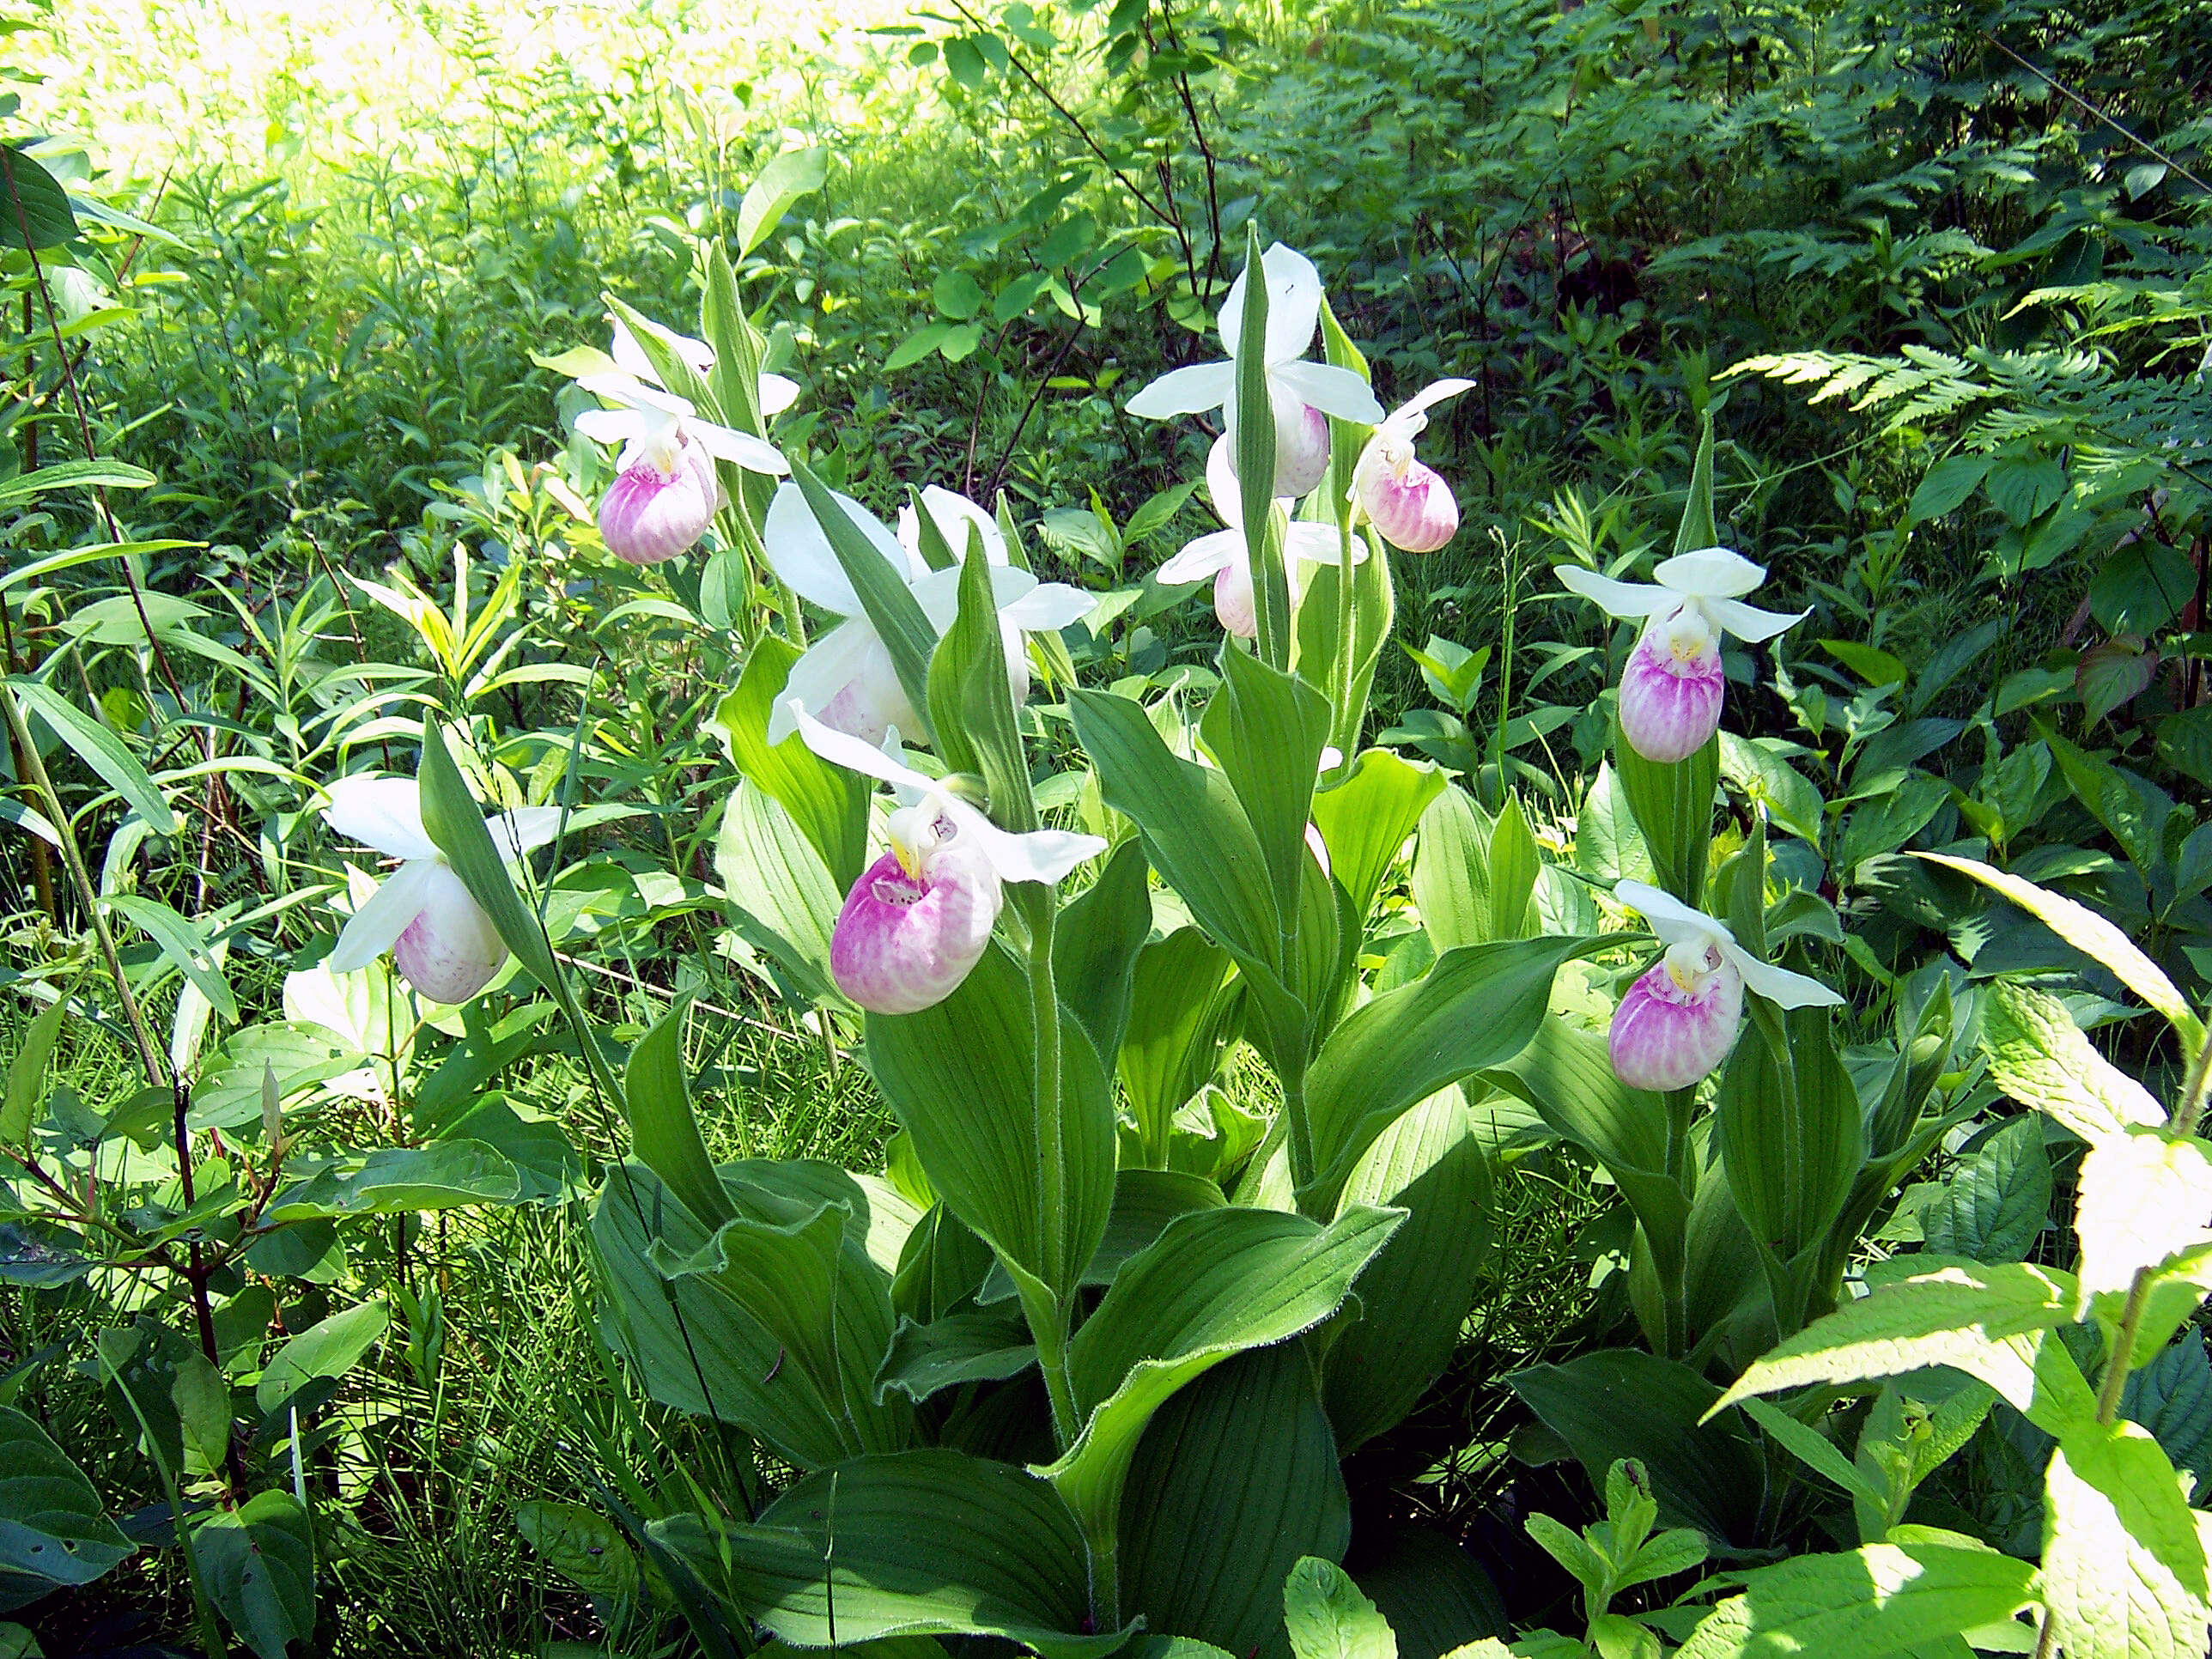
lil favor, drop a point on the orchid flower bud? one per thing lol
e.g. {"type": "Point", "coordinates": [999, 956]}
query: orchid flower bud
{"type": "Point", "coordinates": [1672, 689]}
{"type": "Point", "coordinates": [1679, 1020]}
{"type": "Point", "coordinates": [1223, 555]}
{"type": "Point", "coordinates": [1235, 607]}
{"type": "Point", "coordinates": [919, 918]}
{"type": "Point", "coordinates": [1301, 444]}
{"type": "Point", "coordinates": [662, 502]}
{"type": "Point", "coordinates": [1409, 504]}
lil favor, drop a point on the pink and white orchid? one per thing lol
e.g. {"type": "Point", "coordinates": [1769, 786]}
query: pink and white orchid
{"type": "Point", "coordinates": [846, 679]}
{"type": "Point", "coordinates": [1407, 501]}
{"type": "Point", "coordinates": [920, 917]}
{"type": "Point", "coordinates": [1672, 689]}
{"type": "Point", "coordinates": [1302, 394]}
{"type": "Point", "coordinates": [1679, 1020]}
{"type": "Point", "coordinates": [1224, 555]}
{"type": "Point", "coordinates": [666, 493]}
{"type": "Point", "coordinates": [439, 938]}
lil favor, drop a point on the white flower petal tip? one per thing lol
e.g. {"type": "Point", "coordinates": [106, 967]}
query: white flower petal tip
{"type": "Point", "coordinates": [1665, 1037]}
{"type": "Point", "coordinates": [647, 516]}
{"type": "Point", "coordinates": [903, 943]}
{"type": "Point", "coordinates": [384, 813]}
{"type": "Point", "coordinates": [1669, 710]}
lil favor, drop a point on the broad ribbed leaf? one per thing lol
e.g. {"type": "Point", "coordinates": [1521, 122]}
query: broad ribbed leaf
{"type": "Point", "coordinates": [28, 1079]}
{"type": "Point", "coordinates": [1181, 1002]}
{"type": "Point", "coordinates": [1215, 1283]}
{"type": "Point", "coordinates": [2095, 936]}
{"type": "Point", "coordinates": [1411, 1305]}
{"type": "Point", "coordinates": [258, 1564]}
{"type": "Point", "coordinates": [829, 804]}
{"type": "Point", "coordinates": [783, 900]}
{"type": "Point", "coordinates": [48, 212]}
{"type": "Point", "coordinates": [1366, 819]}
{"type": "Point", "coordinates": [1476, 1008]}
{"type": "Point", "coordinates": [1431, 1588]}
{"type": "Point", "coordinates": [1622, 1402]}
{"type": "Point", "coordinates": [1451, 871]}
{"type": "Point", "coordinates": [1514, 865]}
{"type": "Point", "coordinates": [971, 706]}
{"type": "Point", "coordinates": [1096, 943]}
{"type": "Point", "coordinates": [2124, 1568]}
{"type": "Point", "coordinates": [699, 1349]}
{"type": "Point", "coordinates": [1267, 728]}
{"type": "Point", "coordinates": [1196, 834]}
{"type": "Point", "coordinates": [2039, 1057]}
{"type": "Point", "coordinates": [979, 1344]}
{"type": "Point", "coordinates": [1791, 1136]}
{"type": "Point", "coordinates": [51, 1522]}
{"type": "Point", "coordinates": [1673, 805]}
{"type": "Point", "coordinates": [663, 1132]}
{"type": "Point", "coordinates": [962, 1078]}
{"type": "Point", "coordinates": [1878, 1599]}
{"type": "Point", "coordinates": [1235, 1479]}
{"type": "Point", "coordinates": [922, 1543]}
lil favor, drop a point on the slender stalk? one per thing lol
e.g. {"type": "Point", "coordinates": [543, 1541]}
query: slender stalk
{"type": "Point", "coordinates": [2124, 1347]}
{"type": "Point", "coordinates": [1301, 1136]}
{"type": "Point", "coordinates": [2191, 1110]}
{"type": "Point", "coordinates": [1050, 1326]}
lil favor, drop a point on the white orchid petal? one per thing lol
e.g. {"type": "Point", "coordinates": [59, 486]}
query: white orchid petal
{"type": "Point", "coordinates": [1209, 556]}
{"type": "Point", "coordinates": [386, 813]}
{"type": "Point", "coordinates": [1778, 985]}
{"type": "Point", "coordinates": [1672, 921]}
{"type": "Point", "coordinates": [1192, 391]}
{"type": "Point", "coordinates": [629, 355]}
{"type": "Point", "coordinates": [1320, 544]}
{"type": "Point", "coordinates": [1044, 855]}
{"type": "Point", "coordinates": [635, 394]}
{"type": "Point", "coordinates": [1333, 390]}
{"type": "Point", "coordinates": [823, 669]}
{"type": "Point", "coordinates": [611, 427]}
{"type": "Point", "coordinates": [840, 750]}
{"type": "Point", "coordinates": [1616, 599]}
{"type": "Point", "coordinates": [388, 912]}
{"type": "Point", "coordinates": [523, 829]}
{"type": "Point", "coordinates": [1418, 406]}
{"type": "Point", "coordinates": [1710, 573]}
{"type": "Point", "coordinates": [1747, 621]}
{"type": "Point", "coordinates": [777, 393]}
{"type": "Point", "coordinates": [938, 593]}
{"type": "Point", "coordinates": [1049, 607]}
{"type": "Point", "coordinates": [1293, 305]}
{"type": "Point", "coordinates": [1221, 486]}
{"type": "Point", "coordinates": [798, 550]}
{"type": "Point", "coordinates": [953, 514]}
{"type": "Point", "coordinates": [740, 448]}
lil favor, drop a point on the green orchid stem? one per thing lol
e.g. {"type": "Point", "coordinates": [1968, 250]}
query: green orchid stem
{"type": "Point", "coordinates": [1049, 1328]}
{"type": "Point", "coordinates": [1105, 1581]}
{"type": "Point", "coordinates": [1300, 1139]}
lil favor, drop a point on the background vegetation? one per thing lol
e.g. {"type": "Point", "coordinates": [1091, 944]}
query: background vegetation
{"type": "Point", "coordinates": [1937, 272]}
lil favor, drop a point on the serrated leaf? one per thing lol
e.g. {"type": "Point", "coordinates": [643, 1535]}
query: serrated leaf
{"type": "Point", "coordinates": [2040, 1057]}
{"type": "Point", "coordinates": [1994, 1206]}
{"type": "Point", "coordinates": [2143, 1197]}
{"type": "Point", "coordinates": [1327, 1618]}
{"type": "Point", "coordinates": [2124, 1568]}
{"type": "Point", "coordinates": [1878, 1599]}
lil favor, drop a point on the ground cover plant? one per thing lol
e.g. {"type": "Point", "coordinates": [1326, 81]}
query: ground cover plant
{"type": "Point", "coordinates": [1105, 827]}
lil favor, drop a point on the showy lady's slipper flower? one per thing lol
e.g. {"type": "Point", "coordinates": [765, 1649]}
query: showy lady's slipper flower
{"type": "Point", "coordinates": [920, 917]}
{"type": "Point", "coordinates": [1410, 506]}
{"type": "Point", "coordinates": [439, 938]}
{"type": "Point", "coordinates": [1225, 555]}
{"type": "Point", "coordinates": [1679, 1021]}
{"type": "Point", "coordinates": [1671, 690]}
{"type": "Point", "coordinates": [665, 493]}
{"type": "Point", "coordinates": [1302, 394]}
{"type": "Point", "coordinates": [846, 679]}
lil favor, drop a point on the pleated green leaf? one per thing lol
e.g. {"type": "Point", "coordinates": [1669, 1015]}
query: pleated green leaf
{"type": "Point", "coordinates": [1182, 1001]}
{"type": "Point", "coordinates": [1879, 1599]}
{"type": "Point", "coordinates": [1216, 1283]}
{"type": "Point", "coordinates": [961, 1076]}
{"type": "Point", "coordinates": [1365, 820]}
{"type": "Point", "coordinates": [1096, 943]}
{"type": "Point", "coordinates": [923, 1543]}
{"type": "Point", "coordinates": [829, 804]}
{"type": "Point", "coordinates": [1267, 729]}
{"type": "Point", "coordinates": [1477, 1007]}
{"type": "Point", "coordinates": [1672, 803]}
{"type": "Point", "coordinates": [663, 1132]}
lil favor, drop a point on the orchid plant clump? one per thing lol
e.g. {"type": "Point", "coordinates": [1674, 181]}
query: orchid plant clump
{"type": "Point", "coordinates": [1084, 1235]}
